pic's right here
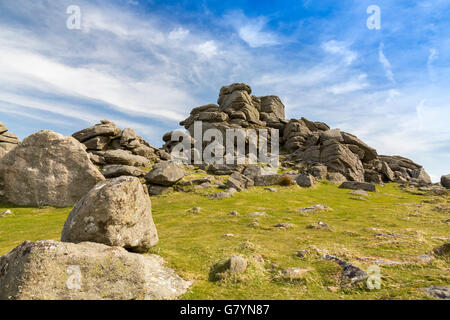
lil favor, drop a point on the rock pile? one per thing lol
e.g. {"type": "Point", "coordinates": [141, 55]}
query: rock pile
{"type": "Point", "coordinates": [115, 215]}
{"type": "Point", "coordinates": [8, 140]}
{"type": "Point", "coordinates": [47, 169]}
{"type": "Point", "coordinates": [310, 146]}
{"type": "Point", "coordinates": [116, 150]}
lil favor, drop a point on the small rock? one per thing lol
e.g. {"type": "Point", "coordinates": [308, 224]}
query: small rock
{"type": "Point", "coordinates": [305, 180]}
{"type": "Point", "coordinates": [283, 225]}
{"type": "Point", "coordinates": [5, 212]}
{"type": "Point", "coordinates": [257, 214]}
{"type": "Point", "coordinates": [319, 225]}
{"type": "Point", "coordinates": [237, 264]}
{"type": "Point", "coordinates": [195, 210]}
{"type": "Point", "coordinates": [358, 198]}
{"type": "Point", "coordinates": [271, 189]}
{"type": "Point", "coordinates": [332, 289]}
{"type": "Point", "coordinates": [440, 292]}
{"type": "Point", "coordinates": [234, 213]}
{"type": "Point", "coordinates": [302, 253]}
{"type": "Point", "coordinates": [228, 235]}
{"type": "Point", "coordinates": [316, 207]}
{"type": "Point", "coordinates": [294, 273]}
{"type": "Point", "coordinates": [443, 250]}
{"type": "Point", "coordinates": [254, 224]}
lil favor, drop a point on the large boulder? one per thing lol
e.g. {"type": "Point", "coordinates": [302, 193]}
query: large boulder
{"type": "Point", "coordinates": [236, 98]}
{"type": "Point", "coordinates": [166, 173]}
{"type": "Point", "coordinates": [47, 168]}
{"type": "Point", "coordinates": [445, 181]}
{"type": "Point", "coordinates": [117, 170]}
{"type": "Point", "coordinates": [369, 153]}
{"type": "Point", "coordinates": [51, 270]}
{"type": "Point", "coordinates": [116, 212]}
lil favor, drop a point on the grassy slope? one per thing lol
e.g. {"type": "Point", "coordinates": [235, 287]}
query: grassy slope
{"type": "Point", "coordinates": [193, 242]}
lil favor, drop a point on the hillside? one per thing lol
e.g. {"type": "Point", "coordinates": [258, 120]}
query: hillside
{"type": "Point", "coordinates": [394, 229]}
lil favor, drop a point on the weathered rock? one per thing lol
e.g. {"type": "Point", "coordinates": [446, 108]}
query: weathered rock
{"type": "Point", "coordinates": [166, 173]}
{"type": "Point", "coordinates": [125, 158]}
{"type": "Point", "coordinates": [359, 193]}
{"type": "Point", "coordinates": [314, 208]}
{"type": "Point", "coordinates": [351, 272]}
{"type": "Point", "coordinates": [319, 172]}
{"type": "Point", "coordinates": [333, 134]}
{"type": "Point", "coordinates": [9, 137]}
{"type": "Point", "coordinates": [51, 270]}
{"type": "Point", "coordinates": [237, 264]}
{"type": "Point", "coordinates": [116, 212]}
{"type": "Point", "coordinates": [371, 187]}
{"type": "Point", "coordinates": [105, 128]}
{"type": "Point", "coordinates": [443, 250]}
{"type": "Point", "coordinates": [336, 177]}
{"type": "Point", "coordinates": [305, 180]}
{"type": "Point", "coordinates": [3, 128]}
{"type": "Point", "coordinates": [338, 158]}
{"type": "Point", "coordinates": [117, 170]}
{"type": "Point", "coordinates": [388, 173]}
{"type": "Point", "coordinates": [239, 182]}
{"type": "Point", "coordinates": [268, 180]}
{"type": "Point", "coordinates": [445, 181]}
{"type": "Point", "coordinates": [155, 190]}
{"type": "Point", "coordinates": [439, 292]}
{"type": "Point", "coordinates": [129, 138]}
{"type": "Point", "coordinates": [97, 143]}
{"type": "Point", "coordinates": [369, 152]}
{"type": "Point", "coordinates": [294, 273]}
{"type": "Point", "coordinates": [47, 168]}
{"type": "Point", "coordinates": [236, 97]}
{"type": "Point", "coordinates": [421, 176]}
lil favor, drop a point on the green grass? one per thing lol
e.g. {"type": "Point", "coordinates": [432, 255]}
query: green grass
{"type": "Point", "coordinates": [193, 243]}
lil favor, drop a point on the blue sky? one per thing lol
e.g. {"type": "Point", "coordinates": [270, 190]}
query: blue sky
{"type": "Point", "coordinates": [146, 64]}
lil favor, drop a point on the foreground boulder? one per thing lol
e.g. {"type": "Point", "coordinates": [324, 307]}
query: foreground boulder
{"type": "Point", "coordinates": [116, 212]}
{"type": "Point", "coordinates": [51, 270]}
{"type": "Point", "coordinates": [47, 169]}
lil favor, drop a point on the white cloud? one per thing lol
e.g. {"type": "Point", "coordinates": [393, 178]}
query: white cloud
{"type": "Point", "coordinates": [385, 63]}
{"type": "Point", "coordinates": [340, 48]}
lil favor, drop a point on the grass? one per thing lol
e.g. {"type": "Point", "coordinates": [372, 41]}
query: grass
{"type": "Point", "coordinates": [193, 243]}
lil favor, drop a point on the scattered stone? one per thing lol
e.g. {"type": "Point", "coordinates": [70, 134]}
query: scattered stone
{"type": "Point", "coordinates": [319, 225]}
{"type": "Point", "coordinates": [271, 189]}
{"type": "Point", "coordinates": [439, 292]}
{"type": "Point", "coordinates": [302, 253]}
{"type": "Point", "coordinates": [351, 272]}
{"type": "Point", "coordinates": [195, 210]}
{"type": "Point", "coordinates": [239, 181]}
{"type": "Point", "coordinates": [51, 270]}
{"type": "Point", "coordinates": [371, 187]}
{"type": "Point", "coordinates": [283, 225]}
{"type": "Point", "coordinates": [358, 198]}
{"type": "Point", "coordinates": [237, 264]}
{"type": "Point", "coordinates": [268, 180]}
{"type": "Point", "coordinates": [425, 258]}
{"type": "Point", "coordinates": [255, 223]}
{"type": "Point", "coordinates": [313, 208]}
{"type": "Point", "coordinates": [294, 273]}
{"type": "Point", "coordinates": [116, 212]}
{"type": "Point", "coordinates": [257, 214]}
{"type": "Point", "coordinates": [5, 211]}
{"type": "Point", "coordinates": [47, 169]}
{"type": "Point", "coordinates": [443, 250]}
{"type": "Point", "coordinates": [229, 235]}
{"type": "Point", "coordinates": [223, 194]}
{"type": "Point", "coordinates": [234, 213]}
{"type": "Point", "coordinates": [166, 173]}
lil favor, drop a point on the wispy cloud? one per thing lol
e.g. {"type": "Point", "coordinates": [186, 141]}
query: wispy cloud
{"type": "Point", "coordinates": [385, 63]}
